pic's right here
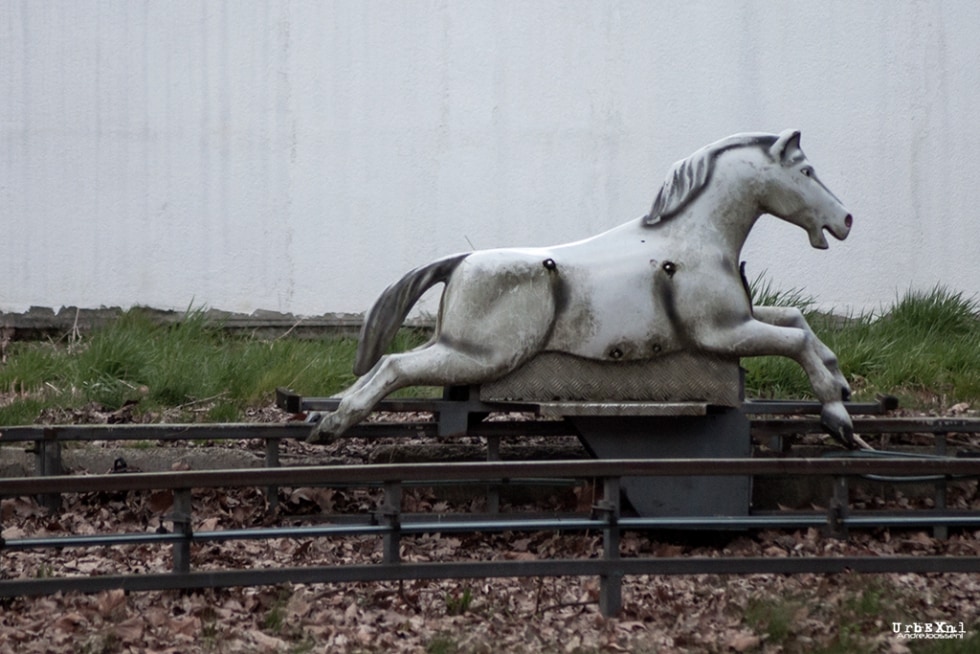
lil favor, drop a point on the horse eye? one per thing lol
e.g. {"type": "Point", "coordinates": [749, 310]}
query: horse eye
{"type": "Point", "coordinates": [807, 171]}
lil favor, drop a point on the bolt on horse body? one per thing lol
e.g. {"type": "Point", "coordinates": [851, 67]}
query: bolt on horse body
{"type": "Point", "coordinates": [665, 282]}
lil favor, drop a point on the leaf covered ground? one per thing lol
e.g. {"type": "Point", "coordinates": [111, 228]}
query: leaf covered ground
{"type": "Point", "coordinates": [699, 613]}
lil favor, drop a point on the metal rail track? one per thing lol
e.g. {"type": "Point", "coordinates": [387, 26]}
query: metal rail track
{"type": "Point", "coordinates": [390, 525]}
{"type": "Point", "coordinates": [774, 424]}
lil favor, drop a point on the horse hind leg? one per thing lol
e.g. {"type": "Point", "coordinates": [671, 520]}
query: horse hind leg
{"type": "Point", "coordinates": [437, 364]}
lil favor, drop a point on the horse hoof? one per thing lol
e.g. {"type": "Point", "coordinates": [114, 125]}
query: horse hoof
{"type": "Point", "coordinates": [845, 436]}
{"type": "Point", "coordinates": [837, 423]}
{"type": "Point", "coordinates": [319, 437]}
{"type": "Point", "coordinates": [324, 432]}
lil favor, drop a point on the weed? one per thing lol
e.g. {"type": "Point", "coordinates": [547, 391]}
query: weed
{"type": "Point", "coordinates": [458, 603]}
{"type": "Point", "coordinates": [868, 603]}
{"type": "Point", "coordinates": [772, 617]}
{"type": "Point", "coordinates": [210, 632]}
{"type": "Point", "coordinates": [224, 412]}
{"type": "Point", "coordinates": [968, 645]}
{"type": "Point", "coordinates": [861, 613]}
{"type": "Point", "coordinates": [442, 644]}
{"type": "Point", "coordinates": [305, 646]}
{"type": "Point", "coordinates": [275, 620]}
{"type": "Point", "coordinates": [764, 292]}
{"type": "Point", "coordinates": [100, 644]}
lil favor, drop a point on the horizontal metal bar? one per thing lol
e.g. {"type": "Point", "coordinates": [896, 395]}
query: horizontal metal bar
{"type": "Point", "coordinates": [492, 569]}
{"type": "Point", "coordinates": [248, 431]}
{"type": "Point", "coordinates": [160, 432]}
{"type": "Point", "coordinates": [620, 409]}
{"type": "Point", "coordinates": [296, 403]}
{"type": "Point", "coordinates": [904, 425]}
{"type": "Point", "coordinates": [424, 524]}
{"type": "Point", "coordinates": [409, 405]}
{"type": "Point", "coordinates": [884, 404]}
{"type": "Point", "coordinates": [486, 472]}
{"type": "Point", "coordinates": [916, 519]}
{"type": "Point", "coordinates": [299, 430]}
{"type": "Point", "coordinates": [90, 540]}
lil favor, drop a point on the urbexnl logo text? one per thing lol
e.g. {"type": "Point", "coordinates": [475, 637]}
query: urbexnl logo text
{"type": "Point", "coordinates": [929, 630]}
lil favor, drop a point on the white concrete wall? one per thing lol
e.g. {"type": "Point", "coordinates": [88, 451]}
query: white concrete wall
{"type": "Point", "coordinates": [299, 156]}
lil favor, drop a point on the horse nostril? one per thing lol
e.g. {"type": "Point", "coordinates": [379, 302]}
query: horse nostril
{"type": "Point", "coordinates": [848, 219]}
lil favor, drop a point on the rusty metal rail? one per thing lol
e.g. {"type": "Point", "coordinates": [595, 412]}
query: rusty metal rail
{"type": "Point", "coordinates": [390, 524]}
{"type": "Point", "coordinates": [480, 471]}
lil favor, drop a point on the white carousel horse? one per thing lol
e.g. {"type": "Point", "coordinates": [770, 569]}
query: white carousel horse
{"type": "Point", "coordinates": [665, 282]}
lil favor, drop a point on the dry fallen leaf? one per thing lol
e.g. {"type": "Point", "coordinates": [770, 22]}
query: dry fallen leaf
{"type": "Point", "coordinates": [742, 642]}
{"type": "Point", "coordinates": [111, 602]}
{"type": "Point", "coordinates": [129, 631]}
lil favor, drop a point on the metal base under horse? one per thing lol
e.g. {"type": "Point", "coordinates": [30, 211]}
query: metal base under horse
{"type": "Point", "coordinates": [665, 282]}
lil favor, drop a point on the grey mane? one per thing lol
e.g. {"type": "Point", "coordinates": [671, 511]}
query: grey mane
{"type": "Point", "coordinates": [689, 177]}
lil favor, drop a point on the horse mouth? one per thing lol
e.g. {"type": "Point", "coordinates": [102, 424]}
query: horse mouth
{"type": "Point", "coordinates": [819, 241]}
{"type": "Point", "coordinates": [839, 234]}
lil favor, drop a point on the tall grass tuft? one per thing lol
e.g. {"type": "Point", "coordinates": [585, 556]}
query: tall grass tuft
{"type": "Point", "coordinates": [925, 349]}
{"type": "Point", "coordinates": [764, 292]}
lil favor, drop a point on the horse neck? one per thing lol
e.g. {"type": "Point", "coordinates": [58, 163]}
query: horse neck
{"type": "Point", "coordinates": [724, 213]}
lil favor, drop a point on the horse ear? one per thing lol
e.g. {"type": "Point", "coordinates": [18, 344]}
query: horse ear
{"type": "Point", "coordinates": [786, 147]}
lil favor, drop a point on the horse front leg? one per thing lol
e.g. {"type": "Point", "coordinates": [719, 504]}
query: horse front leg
{"type": "Point", "coordinates": [793, 317]}
{"type": "Point", "coordinates": [758, 338]}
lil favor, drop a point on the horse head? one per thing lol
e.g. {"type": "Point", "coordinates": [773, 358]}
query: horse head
{"type": "Point", "coordinates": [795, 194]}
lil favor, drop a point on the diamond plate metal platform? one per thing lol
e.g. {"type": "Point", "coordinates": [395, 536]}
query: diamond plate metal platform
{"type": "Point", "coordinates": [678, 377]}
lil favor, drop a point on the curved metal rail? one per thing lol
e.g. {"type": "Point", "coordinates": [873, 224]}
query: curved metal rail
{"type": "Point", "coordinates": [391, 525]}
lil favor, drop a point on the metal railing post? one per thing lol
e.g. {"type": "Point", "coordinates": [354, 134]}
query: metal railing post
{"type": "Point", "coordinates": [390, 515]}
{"type": "Point", "coordinates": [49, 464]}
{"type": "Point", "coordinates": [939, 499]}
{"type": "Point", "coordinates": [611, 583]}
{"type": "Point", "coordinates": [838, 508]}
{"type": "Point", "coordinates": [272, 461]}
{"type": "Point", "coordinates": [181, 518]}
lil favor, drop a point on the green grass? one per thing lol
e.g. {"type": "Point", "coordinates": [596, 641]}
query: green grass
{"type": "Point", "coordinates": [192, 364]}
{"type": "Point", "coordinates": [442, 643]}
{"type": "Point", "coordinates": [857, 614]}
{"type": "Point", "coordinates": [925, 349]}
{"type": "Point", "coordinates": [772, 617]}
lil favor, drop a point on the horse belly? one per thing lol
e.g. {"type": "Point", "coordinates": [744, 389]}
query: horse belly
{"type": "Point", "coordinates": [612, 321]}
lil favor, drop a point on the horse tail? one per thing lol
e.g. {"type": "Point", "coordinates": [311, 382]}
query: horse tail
{"type": "Point", "coordinates": [389, 311]}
